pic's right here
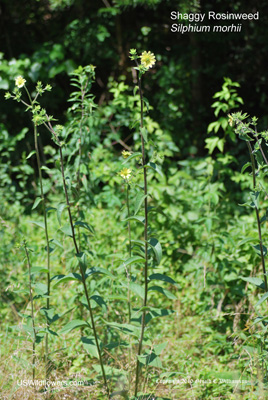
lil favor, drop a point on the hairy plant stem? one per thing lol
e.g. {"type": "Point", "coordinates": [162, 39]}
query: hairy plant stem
{"type": "Point", "coordinates": [129, 281]}
{"type": "Point", "coordinates": [47, 245]}
{"type": "Point", "coordinates": [50, 128]}
{"type": "Point", "coordinates": [78, 172]}
{"type": "Point", "coordinates": [32, 306]}
{"type": "Point", "coordinates": [257, 214]}
{"type": "Point", "coordinates": [130, 253]}
{"type": "Point", "coordinates": [143, 322]}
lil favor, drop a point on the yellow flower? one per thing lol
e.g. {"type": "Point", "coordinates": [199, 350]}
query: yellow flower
{"type": "Point", "coordinates": [147, 59]}
{"type": "Point", "coordinates": [20, 81]}
{"type": "Point", "coordinates": [230, 120]}
{"type": "Point", "coordinates": [125, 173]}
{"type": "Point", "coordinates": [126, 153]}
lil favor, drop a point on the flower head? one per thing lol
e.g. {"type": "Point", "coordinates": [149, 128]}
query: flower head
{"type": "Point", "coordinates": [126, 153]}
{"type": "Point", "coordinates": [125, 173]}
{"type": "Point", "coordinates": [20, 81]}
{"type": "Point", "coordinates": [147, 59]}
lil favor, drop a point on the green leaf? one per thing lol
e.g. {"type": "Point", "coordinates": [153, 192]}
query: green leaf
{"type": "Point", "coordinates": [135, 218]}
{"type": "Point", "coordinates": [151, 314]}
{"type": "Point", "coordinates": [125, 328]}
{"type": "Point", "coordinates": [82, 259]}
{"type": "Point", "coordinates": [257, 248]}
{"type": "Point", "coordinates": [41, 224]}
{"type": "Point", "coordinates": [248, 239]}
{"type": "Point", "coordinates": [60, 209]}
{"type": "Point", "coordinates": [40, 289]}
{"type": "Point", "coordinates": [57, 243]}
{"type": "Point", "coordinates": [98, 270]}
{"type": "Point", "coordinates": [37, 270]}
{"type": "Point", "coordinates": [264, 297]}
{"type": "Point", "coordinates": [138, 202]}
{"type": "Point", "coordinates": [67, 230]}
{"type": "Point", "coordinates": [157, 249]}
{"type": "Point", "coordinates": [99, 300]}
{"type": "Point", "coordinates": [135, 287]}
{"type": "Point", "coordinates": [255, 281]}
{"type": "Point", "coordinates": [159, 348]}
{"type": "Point", "coordinates": [144, 133]}
{"type": "Point", "coordinates": [84, 225]}
{"type": "Point", "coordinates": [215, 141]}
{"type": "Point", "coordinates": [51, 316]}
{"type": "Point", "coordinates": [137, 241]}
{"type": "Point", "coordinates": [133, 260]}
{"type": "Point", "coordinates": [31, 154]}
{"type": "Point", "coordinates": [134, 155]}
{"type": "Point", "coordinates": [66, 278]}
{"type": "Point", "coordinates": [47, 330]}
{"type": "Point", "coordinates": [150, 359]}
{"type": "Point", "coordinates": [44, 168]}
{"type": "Point", "coordinates": [76, 323]}
{"type": "Point", "coordinates": [166, 292]}
{"type": "Point", "coordinates": [89, 345]}
{"type": "Point", "coordinates": [162, 277]}
{"type": "Point", "coordinates": [36, 202]}
{"type": "Point", "coordinates": [48, 209]}
{"type": "Point", "coordinates": [155, 167]}
{"type": "Point", "coordinates": [245, 166]}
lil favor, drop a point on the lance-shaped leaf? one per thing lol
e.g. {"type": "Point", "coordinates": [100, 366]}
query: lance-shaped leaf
{"type": "Point", "coordinates": [125, 328]}
{"type": "Point", "coordinates": [36, 202]}
{"type": "Point", "coordinates": [66, 278]}
{"type": "Point", "coordinates": [255, 281]}
{"type": "Point", "coordinates": [135, 218]}
{"type": "Point", "coordinates": [263, 298]}
{"type": "Point", "coordinates": [257, 248]}
{"type": "Point", "coordinates": [155, 167]}
{"type": "Point", "coordinates": [67, 230]}
{"type": "Point", "coordinates": [157, 249]}
{"type": "Point", "coordinates": [76, 323]}
{"type": "Point", "coordinates": [139, 200]}
{"type": "Point", "coordinates": [98, 270]}
{"type": "Point", "coordinates": [41, 224]}
{"type": "Point", "coordinates": [84, 225]}
{"type": "Point", "coordinates": [37, 270]}
{"type": "Point", "coordinates": [60, 209]}
{"type": "Point", "coordinates": [133, 260]}
{"type": "Point", "coordinates": [162, 277]}
{"type": "Point", "coordinates": [135, 287]}
{"type": "Point", "coordinates": [166, 292]}
{"type": "Point", "coordinates": [133, 155]}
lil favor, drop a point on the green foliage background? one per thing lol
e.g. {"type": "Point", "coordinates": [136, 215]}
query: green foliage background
{"type": "Point", "coordinates": [204, 234]}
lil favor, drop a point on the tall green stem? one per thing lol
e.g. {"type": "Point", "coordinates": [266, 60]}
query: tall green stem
{"type": "Point", "coordinates": [32, 307]}
{"type": "Point", "coordinates": [258, 215]}
{"type": "Point", "coordinates": [130, 253]}
{"type": "Point", "coordinates": [47, 244]}
{"type": "Point", "coordinates": [143, 321]}
{"type": "Point", "coordinates": [49, 127]}
{"type": "Point", "coordinates": [129, 281]}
